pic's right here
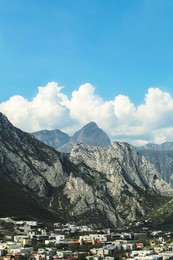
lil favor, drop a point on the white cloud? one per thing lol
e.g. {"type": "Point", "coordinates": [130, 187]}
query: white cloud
{"type": "Point", "coordinates": [151, 121]}
{"type": "Point", "coordinates": [85, 106]}
{"type": "Point", "coordinates": [123, 108]}
{"type": "Point", "coordinates": [47, 110]}
{"type": "Point", "coordinates": [157, 110]}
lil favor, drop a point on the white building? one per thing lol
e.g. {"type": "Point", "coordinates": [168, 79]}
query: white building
{"type": "Point", "coordinates": [91, 238]}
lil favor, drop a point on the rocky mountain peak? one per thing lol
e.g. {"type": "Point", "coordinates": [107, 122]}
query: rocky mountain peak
{"type": "Point", "coordinates": [91, 124]}
{"type": "Point", "coordinates": [7, 131]}
{"type": "Point", "coordinates": [54, 138]}
{"type": "Point", "coordinates": [92, 135]}
{"type": "Point", "coordinates": [99, 185]}
{"type": "Point", "coordinates": [4, 122]}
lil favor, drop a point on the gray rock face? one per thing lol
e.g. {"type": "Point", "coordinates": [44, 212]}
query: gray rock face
{"type": "Point", "coordinates": [118, 173]}
{"type": "Point", "coordinates": [66, 148]}
{"type": "Point", "coordinates": [90, 134]}
{"type": "Point", "coordinates": [54, 138]}
{"type": "Point", "coordinates": [27, 161]}
{"type": "Point", "coordinates": [162, 161]}
{"type": "Point", "coordinates": [161, 156]}
{"type": "Point", "coordinates": [101, 186]}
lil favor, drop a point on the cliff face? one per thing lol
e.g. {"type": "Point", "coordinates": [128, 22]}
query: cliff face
{"type": "Point", "coordinates": [100, 186]}
{"type": "Point", "coordinates": [161, 156]}
{"type": "Point", "coordinates": [115, 180]}
{"type": "Point", "coordinates": [121, 164]}
{"type": "Point", "coordinates": [92, 135]}
{"type": "Point", "coordinates": [27, 161]}
{"type": "Point", "coordinates": [54, 138]}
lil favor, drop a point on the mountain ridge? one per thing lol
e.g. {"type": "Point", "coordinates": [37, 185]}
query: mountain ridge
{"type": "Point", "coordinates": [100, 186]}
{"type": "Point", "coordinates": [161, 156]}
{"type": "Point", "coordinates": [166, 146]}
{"type": "Point", "coordinates": [89, 134]}
{"type": "Point", "coordinates": [54, 138]}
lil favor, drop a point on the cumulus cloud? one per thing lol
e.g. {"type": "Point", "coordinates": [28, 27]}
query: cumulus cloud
{"type": "Point", "coordinates": [47, 110]}
{"type": "Point", "coordinates": [151, 121]}
{"type": "Point", "coordinates": [123, 108]}
{"type": "Point", "coordinates": [157, 110]}
{"type": "Point", "coordinates": [85, 106]}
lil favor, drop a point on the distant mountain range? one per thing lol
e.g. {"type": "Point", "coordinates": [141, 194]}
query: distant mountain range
{"type": "Point", "coordinates": [54, 138]}
{"type": "Point", "coordinates": [90, 134]}
{"type": "Point", "coordinates": [100, 186]}
{"type": "Point", "coordinates": [167, 146]}
{"type": "Point", "coordinates": [161, 156]}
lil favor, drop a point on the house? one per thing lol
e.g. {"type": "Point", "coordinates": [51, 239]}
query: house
{"type": "Point", "coordinates": [22, 239]}
{"type": "Point", "coordinates": [3, 246]}
{"type": "Point", "coordinates": [74, 241]}
{"type": "Point", "coordinates": [109, 250]}
{"type": "Point", "coordinates": [127, 236]}
{"type": "Point", "coordinates": [158, 249]}
{"type": "Point", "coordinates": [93, 238]}
{"type": "Point", "coordinates": [141, 253]}
{"type": "Point", "coordinates": [166, 255]}
{"type": "Point", "coordinates": [57, 238]}
{"type": "Point", "coordinates": [150, 257]}
{"type": "Point", "coordinates": [139, 245]}
{"type": "Point", "coordinates": [156, 233]}
{"type": "Point", "coordinates": [7, 220]}
{"type": "Point", "coordinates": [115, 236]}
{"type": "Point", "coordinates": [14, 249]}
{"type": "Point", "coordinates": [128, 246]}
{"type": "Point", "coordinates": [94, 257]}
{"type": "Point", "coordinates": [3, 252]}
{"type": "Point", "coordinates": [60, 253]}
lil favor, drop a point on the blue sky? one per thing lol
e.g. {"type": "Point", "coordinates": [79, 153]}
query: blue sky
{"type": "Point", "coordinates": [118, 46]}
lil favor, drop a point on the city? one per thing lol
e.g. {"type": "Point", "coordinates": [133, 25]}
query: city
{"type": "Point", "coordinates": [34, 240]}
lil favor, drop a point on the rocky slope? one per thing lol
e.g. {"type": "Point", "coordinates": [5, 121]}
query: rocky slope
{"type": "Point", "coordinates": [162, 158]}
{"type": "Point", "coordinates": [118, 173]}
{"type": "Point", "coordinates": [90, 134]}
{"type": "Point", "coordinates": [54, 138]}
{"type": "Point", "coordinates": [27, 161]}
{"type": "Point", "coordinates": [17, 201]}
{"type": "Point", "coordinates": [100, 186]}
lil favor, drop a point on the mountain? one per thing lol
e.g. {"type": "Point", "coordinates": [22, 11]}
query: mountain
{"type": "Point", "coordinates": [162, 216]}
{"type": "Point", "coordinates": [17, 201]}
{"type": "Point", "coordinates": [167, 146]}
{"type": "Point", "coordinates": [161, 156]}
{"type": "Point", "coordinates": [121, 177]}
{"type": "Point", "coordinates": [90, 134]}
{"type": "Point", "coordinates": [27, 161]}
{"type": "Point", "coordinates": [98, 186]}
{"type": "Point", "coordinates": [54, 138]}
